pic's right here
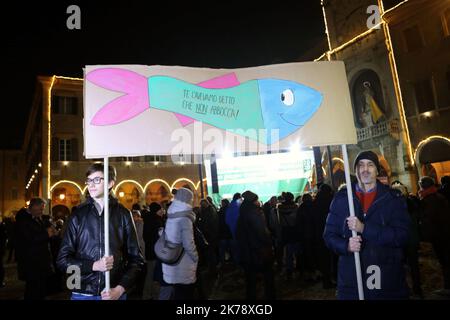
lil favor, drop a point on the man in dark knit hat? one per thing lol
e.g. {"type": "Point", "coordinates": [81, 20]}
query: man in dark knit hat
{"type": "Point", "coordinates": [382, 225]}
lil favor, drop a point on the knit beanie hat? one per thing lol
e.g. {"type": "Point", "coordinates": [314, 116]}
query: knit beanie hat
{"type": "Point", "coordinates": [184, 195]}
{"type": "Point", "coordinates": [249, 196]}
{"type": "Point", "coordinates": [367, 155]}
{"type": "Point", "coordinates": [426, 182]}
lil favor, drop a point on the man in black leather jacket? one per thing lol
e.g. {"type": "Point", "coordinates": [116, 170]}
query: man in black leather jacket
{"type": "Point", "coordinates": [82, 248]}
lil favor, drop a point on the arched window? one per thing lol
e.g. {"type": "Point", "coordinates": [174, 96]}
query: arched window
{"type": "Point", "coordinates": [367, 99]}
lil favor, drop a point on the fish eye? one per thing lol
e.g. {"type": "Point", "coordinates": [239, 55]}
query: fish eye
{"type": "Point", "coordinates": [287, 97]}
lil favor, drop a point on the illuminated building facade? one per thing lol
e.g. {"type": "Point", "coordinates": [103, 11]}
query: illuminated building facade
{"type": "Point", "coordinates": [397, 57]}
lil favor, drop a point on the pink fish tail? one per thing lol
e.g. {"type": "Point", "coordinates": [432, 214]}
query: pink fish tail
{"type": "Point", "coordinates": [134, 101]}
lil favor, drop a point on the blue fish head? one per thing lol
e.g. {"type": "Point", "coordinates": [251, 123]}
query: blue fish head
{"type": "Point", "coordinates": [287, 105]}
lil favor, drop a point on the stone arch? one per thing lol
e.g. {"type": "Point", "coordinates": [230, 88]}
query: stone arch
{"type": "Point", "coordinates": [66, 193]}
{"type": "Point", "coordinates": [183, 183]}
{"type": "Point", "coordinates": [157, 190]}
{"type": "Point", "coordinates": [129, 192]}
{"type": "Point", "coordinates": [432, 157]}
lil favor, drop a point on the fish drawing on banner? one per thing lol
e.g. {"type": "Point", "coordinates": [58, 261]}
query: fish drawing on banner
{"type": "Point", "coordinates": [223, 102]}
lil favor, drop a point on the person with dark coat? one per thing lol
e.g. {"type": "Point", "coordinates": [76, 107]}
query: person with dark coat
{"type": "Point", "coordinates": [436, 225]}
{"type": "Point", "coordinates": [268, 207]}
{"type": "Point", "coordinates": [211, 202]}
{"type": "Point", "coordinates": [33, 253]}
{"type": "Point", "coordinates": [382, 224]}
{"type": "Point", "coordinates": [2, 252]}
{"type": "Point", "coordinates": [83, 243]}
{"type": "Point", "coordinates": [21, 215]}
{"type": "Point", "coordinates": [232, 214]}
{"type": "Point", "coordinates": [225, 237]}
{"type": "Point", "coordinates": [287, 214]}
{"type": "Point", "coordinates": [412, 249]}
{"type": "Point", "coordinates": [10, 236]}
{"type": "Point", "coordinates": [273, 224]}
{"type": "Point", "coordinates": [153, 221]}
{"type": "Point", "coordinates": [306, 233]}
{"type": "Point", "coordinates": [326, 260]}
{"type": "Point", "coordinates": [445, 187]}
{"type": "Point", "coordinates": [208, 223]}
{"type": "Point", "coordinates": [255, 246]}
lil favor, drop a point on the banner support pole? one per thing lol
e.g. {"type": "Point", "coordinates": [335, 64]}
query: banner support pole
{"type": "Point", "coordinates": [106, 217]}
{"type": "Point", "coordinates": [352, 214]}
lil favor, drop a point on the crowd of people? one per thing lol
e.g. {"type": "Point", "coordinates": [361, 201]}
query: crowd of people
{"type": "Point", "coordinates": [311, 237]}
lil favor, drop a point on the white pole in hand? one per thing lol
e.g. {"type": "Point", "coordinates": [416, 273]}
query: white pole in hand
{"type": "Point", "coordinates": [106, 215]}
{"type": "Point", "coordinates": [352, 214]}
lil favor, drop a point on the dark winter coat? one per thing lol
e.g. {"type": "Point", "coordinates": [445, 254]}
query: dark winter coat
{"type": "Point", "coordinates": [253, 238]}
{"type": "Point", "coordinates": [232, 216]}
{"type": "Point", "coordinates": [385, 236]}
{"type": "Point", "coordinates": [435, 219]}
{"type": "Point", "coordinates": [2, 239]}
{"type": "Point", "coordinates": [287, 215]}
{"type": "Point", "coordinates": [32, 247]}
{"type": "Point", "coordinates": [306, 222]}
{"type": "Point", "coordinates": [224, 230]}
{"type": "Point", "coordinates": [152, 223]}
{"type": "Point", "coordinates": [208, 223]}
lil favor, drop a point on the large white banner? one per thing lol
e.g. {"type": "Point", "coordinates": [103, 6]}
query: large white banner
{"type": "Point", "coordinates": [132, 110]}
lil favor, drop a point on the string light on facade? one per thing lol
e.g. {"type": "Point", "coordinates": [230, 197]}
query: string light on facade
{"type": "Point", "coordinates": [131, 181]}
{"type": "Point", "coordinates": [68, 182]}
{"type": "Point", "coordinates": [326, 25]}
{"type": "Point", "coordinates": [158, 180]}
{"type": "Point", "coordinates": [183, 179]}
{"type": "Point", "coordinates": [397, 87]}
{"type": "Point", "coordinates": [49, 133]}
{"type": "Point", "coordinates": [392, 63]}
{"type": "Point", "coordinates": [393, 8]}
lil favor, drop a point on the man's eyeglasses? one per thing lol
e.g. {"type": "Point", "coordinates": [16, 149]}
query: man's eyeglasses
{"type": "Point", "coordinates": [96, 180]}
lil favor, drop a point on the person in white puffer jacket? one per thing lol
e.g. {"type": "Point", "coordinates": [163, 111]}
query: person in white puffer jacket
{"type": "Point", "coordinates": [180, 229]}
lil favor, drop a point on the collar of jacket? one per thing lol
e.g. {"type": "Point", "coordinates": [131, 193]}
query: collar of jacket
{"type": "Point", "coordinates": [112, 202]}
{"type": "Point", "coordinates": [358, 189]}
{"type": "Point", "coordinates": [426, 192]}
{"type": "Point", "coordinates": [382, 191]}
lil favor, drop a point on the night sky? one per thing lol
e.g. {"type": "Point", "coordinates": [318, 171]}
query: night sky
{"type": "Point", "coordinates": [36, 41]}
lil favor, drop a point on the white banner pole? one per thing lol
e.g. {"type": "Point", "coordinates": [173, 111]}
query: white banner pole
{"type": "Point", "coordinates": [352, 214]}
{"type": "Point", "coordinates": [106, 215]}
